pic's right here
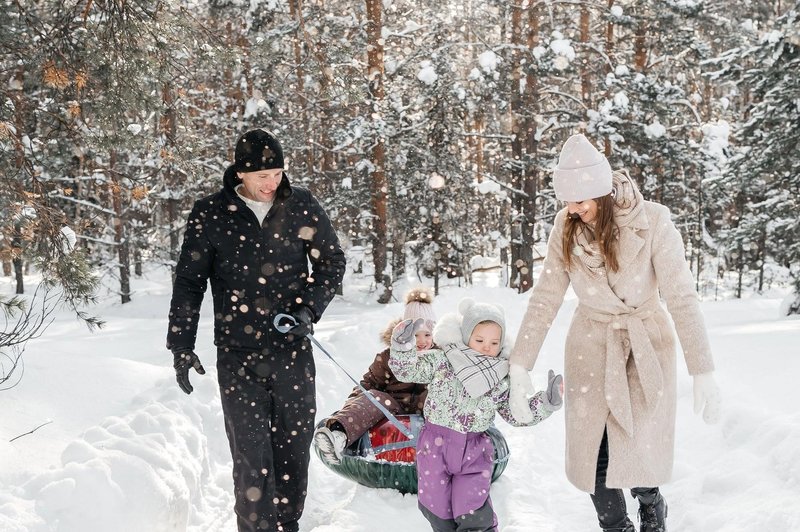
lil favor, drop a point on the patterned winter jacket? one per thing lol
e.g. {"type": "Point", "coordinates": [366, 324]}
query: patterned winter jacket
{"type": "Point", "coordinates": [448, 403]}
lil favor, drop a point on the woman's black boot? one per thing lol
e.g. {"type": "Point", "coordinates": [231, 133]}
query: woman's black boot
{"type": "Point", "coordinates": [652, 511]}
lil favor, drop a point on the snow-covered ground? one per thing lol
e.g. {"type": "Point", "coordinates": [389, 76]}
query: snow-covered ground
{"type": "Point", "coordinates": [127, 451]}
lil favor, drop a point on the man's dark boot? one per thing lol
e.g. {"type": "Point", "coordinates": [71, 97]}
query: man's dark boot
{"type": "Point", "coordinates": [652, 514]}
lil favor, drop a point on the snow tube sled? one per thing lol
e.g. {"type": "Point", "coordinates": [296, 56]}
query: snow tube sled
{"type": "Point", "coordinates": [384, 457]}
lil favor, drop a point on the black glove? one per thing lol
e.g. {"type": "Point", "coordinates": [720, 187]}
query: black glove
{"type": "Point", "coordinates": [305, 322]}
{"type": "Point", "coordinates": [183, 361]}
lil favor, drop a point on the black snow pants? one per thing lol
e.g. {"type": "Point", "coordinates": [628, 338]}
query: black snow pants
{"type": "Point", "coordinates": [269, 405]}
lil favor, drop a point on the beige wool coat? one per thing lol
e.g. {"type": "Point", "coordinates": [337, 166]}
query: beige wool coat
{"type": "Point", "coordinates": [619, 364]}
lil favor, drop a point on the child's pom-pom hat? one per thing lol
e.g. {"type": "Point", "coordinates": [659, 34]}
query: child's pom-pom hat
{"type": "Point", "coordinates": [418, 305]}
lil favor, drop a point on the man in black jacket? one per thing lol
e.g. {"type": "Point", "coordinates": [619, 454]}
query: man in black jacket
{"type": "Point", "coordinates": [254, 240]}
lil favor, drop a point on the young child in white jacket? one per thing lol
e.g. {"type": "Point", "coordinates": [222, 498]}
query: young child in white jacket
{"type": "Point", "coordinates": [468, 382]}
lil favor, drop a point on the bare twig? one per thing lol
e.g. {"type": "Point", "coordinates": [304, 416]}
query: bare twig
{"type": "Point", "coordinates": [31, 431]}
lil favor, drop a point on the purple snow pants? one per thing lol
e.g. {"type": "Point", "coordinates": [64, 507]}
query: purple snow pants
{"type": "Point", "coordinates": [454, 472]}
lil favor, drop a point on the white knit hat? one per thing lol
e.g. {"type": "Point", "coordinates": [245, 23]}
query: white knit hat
{"type": "Point", "coordinates": [582, 173]}
{"type": "Point", "coordinates": [418, 305]}
{"type": "Point", "coordinates": [473, 313]}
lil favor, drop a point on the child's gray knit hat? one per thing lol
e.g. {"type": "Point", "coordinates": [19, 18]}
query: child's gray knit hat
{"type": "Point", "coordinates": [473, 313]}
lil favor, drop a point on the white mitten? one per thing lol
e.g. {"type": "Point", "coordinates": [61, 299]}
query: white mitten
{"type": "Point", "coordinates": [707, 397]}
{"type": "Point", "coordinates": [521, 388]}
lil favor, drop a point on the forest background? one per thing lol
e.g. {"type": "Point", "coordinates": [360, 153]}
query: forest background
{"type": "Point", "coordinates": [427, 128]}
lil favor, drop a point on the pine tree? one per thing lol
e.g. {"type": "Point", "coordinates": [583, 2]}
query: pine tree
{"type": "Point", "coordinates": [33, 126]}
{"type": "Point", "coordinates": [769, 163]}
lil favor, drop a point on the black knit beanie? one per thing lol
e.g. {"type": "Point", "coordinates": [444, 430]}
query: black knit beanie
{"type": "Point", "coordinates": [258, 149]}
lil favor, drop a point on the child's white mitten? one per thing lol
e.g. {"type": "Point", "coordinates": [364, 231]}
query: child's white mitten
{"type": "Point", "coordinates": [520, 388]}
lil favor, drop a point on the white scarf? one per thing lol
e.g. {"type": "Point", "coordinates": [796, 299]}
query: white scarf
{"type": "Point", "coordinates": [628, 203]}
{"type": "Point", "coordinates": [478, 373]}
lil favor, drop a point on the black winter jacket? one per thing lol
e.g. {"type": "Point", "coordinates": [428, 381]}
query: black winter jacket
{"type": "Point", "coordinates": [256, 272]}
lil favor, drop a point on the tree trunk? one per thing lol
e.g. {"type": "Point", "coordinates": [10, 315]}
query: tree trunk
{"type": "Point", "coordinates": [16, 245]}
{"type": "Point", "coordinates": [740, 272]}
{"type": "Point", "coordinates": [517, 133]}
{"type": "Point", "coordinates": [530, 184]}
{"type": "Point", "coordinates": [169, 130]}
{"type": "Point", "coordinates": [120, 238]}
{"type": "Point", "coordinates": [18, 97]}
{"type": "Point", "coordinates": [436, 230]}
{"type": "Point", "coordinates": [324, 175]}
{"type": "Point", "coordinates": [521, 246]}
{"type": "Point", "coordinates": [479, 155]}
{"type": "Point", "coordinates": [516, 142]}
{"type": "Point", "coordinates": [137, 262]}
{"type": "Point", "coordinates": [661, 179]}
{"type": "Point", "coordinates": [171, 209]}
{"type": "Point", "coordinates": [586, 81]}
{"type": "Point", "coordinates": [794, 306]}
{"type": "Point", "coordinates": [762, 252]}
{"type": "Point", "coordinates": [610, 54]}
{"type": "Point", "coordinates": [609, 39]}
{"type": "Point", "coordinates": [7, 252]}
{"type": "Point", "coordinates": [698, 248]}
{"type": "Point", "coordinates": [739, 283]}
{"type": "Point", "coordinates": [398, 256]}
{"type": "Point", "coordinates": [378, 184]}
{"type": "Point", "coordinates": [296, 12]}
{"type": "Point", "coordinates": [640, 46]}
{"type": "Point", "coordinates": [531, 187]}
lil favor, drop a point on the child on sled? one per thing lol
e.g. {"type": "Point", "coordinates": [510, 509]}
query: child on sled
{"type": "Point", "coordinates": [359, 414]}
{"type": "Point", "coordinates": [467, 378]}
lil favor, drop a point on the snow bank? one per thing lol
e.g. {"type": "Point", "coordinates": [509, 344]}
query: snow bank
{"type": "Point", "coordinates": [147, 470]}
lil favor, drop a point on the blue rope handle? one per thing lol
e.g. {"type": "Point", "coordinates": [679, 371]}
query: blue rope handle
{"type": "Point", "coordinates": [281, 325]}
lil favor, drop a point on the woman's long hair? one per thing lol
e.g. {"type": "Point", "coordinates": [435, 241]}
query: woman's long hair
{"type": "Point", "coordinates": [605, 231]}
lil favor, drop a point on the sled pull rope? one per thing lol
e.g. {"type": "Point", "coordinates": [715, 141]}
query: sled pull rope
{"type": "Point", "coordinates": [285, 322]}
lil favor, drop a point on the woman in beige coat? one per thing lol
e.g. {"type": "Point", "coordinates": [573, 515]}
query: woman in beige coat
{"type": "Point", "coordinates": [621, 254]}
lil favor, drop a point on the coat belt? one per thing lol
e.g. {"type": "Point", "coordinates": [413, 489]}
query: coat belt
{"type": "Point", "coordinates": [648, 370]}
